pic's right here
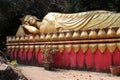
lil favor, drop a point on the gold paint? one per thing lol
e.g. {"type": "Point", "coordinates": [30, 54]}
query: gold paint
{"type": "Point", "coordinates": [26, 38]}
{"type": "Point", "coordinates": [31, 47]}
{"type": "Point", "coordinates": [42, 47]}
{"type": "Point", "coordinates": [68, 36]}
{"type": "Point", "coordinates": [26, 46]}
{"type": "Point", "coordinates": [37, 47]}
{"type": "Point", "coordinates": [37, 37]}
{"type": "Point", "coordinates": [48, 37]}
{"type": "Point", "coordinates": [54, 36]}
{"type": "Point", "coordinates": [61, 36]}
{"type": "Point", "coordinates": [30, 29]}
{"type": "Point", "coordinates": [22, 38]}
{"type": "Point", "coordinates": [55, 46]}
{"type": "Point", "coordinates": [48, 46]}
{"type": "Point", "coordinates": [17, 38]}
{"type": "Point", "coordinates": [17, 47]}
{"type": "Point", "coordinates": [92, 34]}
{"type": "Point", "coordinates": [76, 35]}
{"type": "Point", "coordinates": [13, 47]}
{"type": "Point", "coordinates": [7, 39]}
{"type": "Point", "coordinates": [31, 38]}
{"type": "Point", "coordinates": [111, 47]}
{"type": "Point", "coordinates": [118, 33]}
{"type": "Point", "coordinates": [10, 39]}
{"type": "Point", "coordinates": [13, 38]}
{"type": "Point", "coordinates": [76, 47]}
{"type": "Point", "coordinates": [118, 46]}
{"type": "Point", "coordinates": [111, 33]}
{"type": "Point", "coordinates": [84, 47]}
{"type": "Point", "coordinates": [84, 35]}
{"type": "Point", "coordinates": [8, 48]}
{"type": "Point", "coordinates": [21, 47]}
{"type": "Point", "coordinates": [93, 47]}
{"type": "Point", "coordinates": [102, 47]}
{"type": "Point", "coordinates": [61, 48]}
{"type": "Point", "coordinates": [42, 37]}
{"type": "Point", "coordinates": [102, 34]}
{"type": "Point", "coordinates": [68, 47]}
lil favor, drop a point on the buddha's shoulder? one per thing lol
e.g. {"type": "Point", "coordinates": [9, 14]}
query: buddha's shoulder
{"type": "Point", "coordinates": [94, 11]}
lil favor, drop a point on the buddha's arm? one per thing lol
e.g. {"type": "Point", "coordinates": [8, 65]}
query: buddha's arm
{"type": "Point", "coordinates": [26, 29]}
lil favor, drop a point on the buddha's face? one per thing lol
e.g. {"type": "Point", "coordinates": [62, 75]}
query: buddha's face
{"type": "Point", "coordinates": [30, 20]}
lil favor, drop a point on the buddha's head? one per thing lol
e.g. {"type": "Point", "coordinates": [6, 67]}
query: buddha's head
{"type": "Point", "coordinates": [30, 20]}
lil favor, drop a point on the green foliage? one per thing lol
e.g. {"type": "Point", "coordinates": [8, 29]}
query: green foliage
{"type": "Point", "coordinates": [14, 63]}
{"type": "Point", "coordinates": [87, 5]}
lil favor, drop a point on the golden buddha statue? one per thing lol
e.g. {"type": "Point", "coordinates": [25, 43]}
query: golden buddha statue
{"type": "Point", "coordinates": [60, 22]}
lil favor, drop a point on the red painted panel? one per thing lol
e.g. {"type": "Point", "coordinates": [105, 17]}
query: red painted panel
{"type": "Point", "coordinates": [58, 60]}
{"type": "Point", "coordinates": [65, 59]}
{"type": "Point", "coordinates": [72, 59]}
{"type": "Point", "coordinates": [15, 54]}
{"type": "Point", "coordinates": [106, 60]}
{"type": "Point", "coordinates": [20, 55]}
{"type": "Point", "coordinates": [103, 60]}
{"type": "Point", "coordinates": [24, 54]}
{"type": "Point", "coordinates": [34, 60]}
{"type": "Point", "coordinates": [116, 57]}
{"type": "Point", "coordinates": [36, 55]}
{"type": "Point", "coordinates": [98, 60]}
{"type": "Point", "coordinates": [80, 59]}
{"type": "Point", "coordinates": [40, 57]}
{"type": "Point", "coordinates": [89, 59]}
{"type": "Point", "coordinates": [29, 55]}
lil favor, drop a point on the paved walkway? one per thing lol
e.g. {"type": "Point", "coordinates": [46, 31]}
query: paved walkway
{"type": "Point", "coordinates": [38, 73]}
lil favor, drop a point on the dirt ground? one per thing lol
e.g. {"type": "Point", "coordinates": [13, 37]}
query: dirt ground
{"type": "Point", "coordinates": [39, 73]}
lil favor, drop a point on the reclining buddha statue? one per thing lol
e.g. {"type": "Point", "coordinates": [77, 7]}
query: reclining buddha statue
{"type": "Point", "coordinates": [60, 22]}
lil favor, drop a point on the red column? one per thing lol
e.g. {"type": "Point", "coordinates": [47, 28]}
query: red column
{"type": "Point", "coordinates": [20, 55]}
{"type": "Point", "coordinates": [35, 53]}
{"type": "Point", "coordinates": [103, 60]}
{"type": "Point", "coordinates": [29, 56]}
{"type": "Point", "coordinates": [116, 57]}
{"type": "Point", "coordinates": [89, 59]}
{"type": "Point", "coordinates": [40, 57]}
{"type": "Point", "coordinates": [24, 56]}
{"type": "Point", "coordinates": [98, 60]}
{"type": "Point", "coordinates": [106, 60]}
{"type": "Point", "coordinates": [58, 60]}
{"type": "Point", "coordinates": [65, 59]}
{"type": "Point", "coordinates": [72, 55]}
{"type": "Point", "coordinates": [80, 59]}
